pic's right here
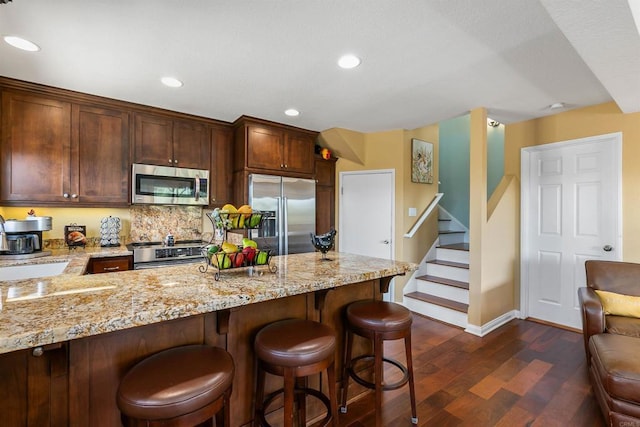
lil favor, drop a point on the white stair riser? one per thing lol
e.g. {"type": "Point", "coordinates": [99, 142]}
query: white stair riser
{"type": "Point", "coordinates": [449, 226]}
{"type": "Point", "coordinates": [443, 291]}
{"type": "Point", "coordinates": [443, 314]}
{"type": "Point", "coordinates": [453, 273]}
{"type": "Point", "coordinates": [452, 255]}
{"type": "Point", "coordinates": [449, 239]}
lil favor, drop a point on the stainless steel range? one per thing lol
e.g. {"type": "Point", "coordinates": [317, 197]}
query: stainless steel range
{"type": "Point", "coordinates": [158, 254]}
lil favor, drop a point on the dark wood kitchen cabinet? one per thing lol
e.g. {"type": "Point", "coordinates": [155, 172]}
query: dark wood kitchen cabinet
{"type": "Point", "coordinates": [165, 141]}
{"type": "Point", "coordinates": [221, 190]}
{"type": "Point", "coordinates": [35, 151]}
{"type": "Point", "coordinates": [62, 153]}
{"type": "Point", "coordinates": [325, 173]}
{"type": "Point", "coordinates": [35, 387]}
{"type": "Point", "coordinates": [110, 264]}
{"type": "Point", "coordinates": [101, 136]}
{"type": "Point", "coordinates": [272, 148]}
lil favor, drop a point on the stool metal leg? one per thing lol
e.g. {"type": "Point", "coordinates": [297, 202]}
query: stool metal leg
{"type": "Point", "coordinates": [412, 390]}
{"type": "Point", "coordinates": [345, 370]}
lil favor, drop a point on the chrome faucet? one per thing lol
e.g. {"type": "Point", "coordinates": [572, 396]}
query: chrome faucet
{"type": "Point", "coordinates": [4, 245]}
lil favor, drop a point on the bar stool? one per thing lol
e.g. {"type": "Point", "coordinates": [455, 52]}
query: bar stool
{"type": "Point", "coordinates": [295, 349]}
{"type": "Point", "coordinates": [378, 321]}
{"type": "Point", "coordinates": [182, 386]}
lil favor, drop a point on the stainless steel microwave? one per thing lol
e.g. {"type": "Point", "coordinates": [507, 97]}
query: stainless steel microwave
{"type": "Point", "coordinates": [163, 185]}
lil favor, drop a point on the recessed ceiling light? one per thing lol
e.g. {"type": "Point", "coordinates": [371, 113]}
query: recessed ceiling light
{"type": "Point", "coordinates": [21, 43]}
{"type": "Point", "coordinates": [556, 106]}
{"type": "Point", "coordinates": [292, 112]}
{"type": "Point", "coordinates": [171, 82]}
{"type": "Point", "coordinates": [349, 61]}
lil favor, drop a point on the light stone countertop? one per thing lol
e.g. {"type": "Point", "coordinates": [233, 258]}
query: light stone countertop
{"type": "Point", "coordinates": [73, 305]}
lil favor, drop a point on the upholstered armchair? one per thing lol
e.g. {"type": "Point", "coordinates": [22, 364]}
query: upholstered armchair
{"type": "Point", "coordinates": [610, 307]}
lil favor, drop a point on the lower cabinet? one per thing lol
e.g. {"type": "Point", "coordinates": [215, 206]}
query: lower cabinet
{"type": "Point", "coordinates": [110, 264]}
{"type": "Point", "coordinates": [34, 388]}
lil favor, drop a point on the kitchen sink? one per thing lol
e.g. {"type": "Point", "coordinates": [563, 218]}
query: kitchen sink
{"type": "Point", "coordinates": [32, 271]}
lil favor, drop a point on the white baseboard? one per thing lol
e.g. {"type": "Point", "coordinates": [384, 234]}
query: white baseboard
{"type": "Point", "coordinates": [492, 325]}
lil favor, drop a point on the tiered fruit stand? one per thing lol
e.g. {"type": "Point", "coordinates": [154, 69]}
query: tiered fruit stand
{"type": "Point", "coordinates": [222, 260]}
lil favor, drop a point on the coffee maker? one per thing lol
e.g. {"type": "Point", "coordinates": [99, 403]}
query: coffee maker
{"type": "Point", "coordinates": [24, 237]}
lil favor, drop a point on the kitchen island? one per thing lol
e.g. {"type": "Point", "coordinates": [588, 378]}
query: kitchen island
{"type": "Point", "coordinates": [68, 339]}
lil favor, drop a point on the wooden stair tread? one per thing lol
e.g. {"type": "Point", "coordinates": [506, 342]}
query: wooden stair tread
{"type": "Point", "coordinates": [444, 281]}
{"type": "Point", "coordinates": [451, 232]}
{"type": "Point", "coordinates": [443, 302]}
{"type": "Point", "coordinates": [449, 263]}
{"type": "Point", "coordinates": [456, 246]}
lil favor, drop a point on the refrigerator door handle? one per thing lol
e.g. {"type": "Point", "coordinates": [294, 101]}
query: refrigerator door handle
{"type": "Point", "coordinates": [285, 225]}
{"type": "Point", "coordinates": [279, 231]}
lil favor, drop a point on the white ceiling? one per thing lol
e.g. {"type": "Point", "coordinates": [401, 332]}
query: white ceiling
{"type": "Point", "coordinates": [423, 60]}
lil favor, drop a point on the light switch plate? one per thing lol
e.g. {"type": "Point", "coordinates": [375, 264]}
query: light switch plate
{"type": "Point", "coordinates": [413, 212]}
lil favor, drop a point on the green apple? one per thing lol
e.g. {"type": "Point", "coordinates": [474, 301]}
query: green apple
{"type": "Point", "coordinates": [261, 258]}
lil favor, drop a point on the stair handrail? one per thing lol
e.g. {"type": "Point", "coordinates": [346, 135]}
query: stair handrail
{"type": "Point", "coordinates": [425, 215]}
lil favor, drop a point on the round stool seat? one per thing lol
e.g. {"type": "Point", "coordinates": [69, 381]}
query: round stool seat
{"type": "Point", "coordinates": [175, 382]}
{"type": "Point", "coordinates": [295, 342]}
{"type": "Point", "coordinates": [379, 316]}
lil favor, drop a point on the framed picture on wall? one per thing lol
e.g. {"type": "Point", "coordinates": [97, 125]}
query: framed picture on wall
{"type": "Point", "coordinates": [421, 161]}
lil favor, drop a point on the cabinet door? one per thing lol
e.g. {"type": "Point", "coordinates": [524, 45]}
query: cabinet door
{"type": "Point", "coordinates": [221, 177]}
{"type": "Point", "coordinates": [325, 171]}
{"type": "Point", "coordinates": [153, 140]}
{"type": "Point", "coordinates": [298, 153]}
{"type": "Point", "coordinates": [325, 208]}
{"type": "Point", "coordinates": [103, 145]}
{"type": "Point", "coordinates": [34, 388]}
{"type": "Point", "coordinates": [191, 145]}
{"type": "Point", "coordinates": [35, 148]}
{"type": "Point", "coordinates": [264, 148]}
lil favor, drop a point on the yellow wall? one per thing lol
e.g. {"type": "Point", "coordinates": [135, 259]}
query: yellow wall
{"type": "Point", "coordinates": [65, 216]}
{"type": "Point", "coordinates": [392, 150]}
{"type": "Point", "coordinates": [580, 123]}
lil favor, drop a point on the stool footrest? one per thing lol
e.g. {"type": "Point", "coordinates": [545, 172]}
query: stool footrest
{"type": "Point", "coordinates": [298, 390]}
{"type": "Point", "coordinates": [368, 384]}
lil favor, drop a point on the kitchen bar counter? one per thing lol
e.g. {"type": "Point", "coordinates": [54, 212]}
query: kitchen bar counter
{"type": "Point", "coordinates": [48, 310]}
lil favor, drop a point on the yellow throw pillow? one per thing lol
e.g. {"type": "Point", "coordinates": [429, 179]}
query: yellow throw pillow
{"type": "Point", "coordinates": [619, 304]}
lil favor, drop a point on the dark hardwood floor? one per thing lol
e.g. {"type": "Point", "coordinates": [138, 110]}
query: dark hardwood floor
{"type": "Point", "coordinates": [523, 374]}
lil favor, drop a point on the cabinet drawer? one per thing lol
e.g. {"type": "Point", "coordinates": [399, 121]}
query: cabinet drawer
{"type": "Point", "coordinates": [110, 264]}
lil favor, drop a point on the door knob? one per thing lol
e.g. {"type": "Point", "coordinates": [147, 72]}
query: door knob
{"type": "Point", "coordinates": [607, 248]}
{"type": "Point", "coordinates": [386, 242]}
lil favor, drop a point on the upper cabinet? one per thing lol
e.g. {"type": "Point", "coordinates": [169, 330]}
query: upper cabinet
{"type": "Point", "coordinates": [221, 177]}
{"type": "Point", "coordinates": [54, 151]}
{"type": "Point", "coordinates": [164, 141]}
{"type": "Point", "coordinates": [101, 136]}
{"type": "Point", "coordinates": [262, 146]}
{"type": "Point", "coordinates": [36, 148]}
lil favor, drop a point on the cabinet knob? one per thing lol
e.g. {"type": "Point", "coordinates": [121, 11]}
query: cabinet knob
{"type": "Point", "coordinates": [65, 195]}
{"type": "Point", "coordinates": [286, 166]}
{"type": "Point", "coordinates": [74, 196]}
{"type": "Point", "coordinates": [281, 166]}
{"type": "Point", "coordinates": [175, 161]}
{"type": "Point", "coordinates": [170, 161]}
{"type": "Point", "coordinates": [38, 351]}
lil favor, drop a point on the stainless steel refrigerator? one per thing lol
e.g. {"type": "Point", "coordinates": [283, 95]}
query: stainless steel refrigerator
{"type": "Point", "coordinates": [291, 207]}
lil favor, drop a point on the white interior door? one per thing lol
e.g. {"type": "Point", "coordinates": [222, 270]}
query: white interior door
{"type": "Point", "coordinates": [571, 212]}
{"type": "Point", "coordinates": [366, 218]}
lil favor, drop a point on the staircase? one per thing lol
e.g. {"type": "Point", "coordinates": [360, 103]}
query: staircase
{"type": "Point", "coordinates": [442, 288]}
